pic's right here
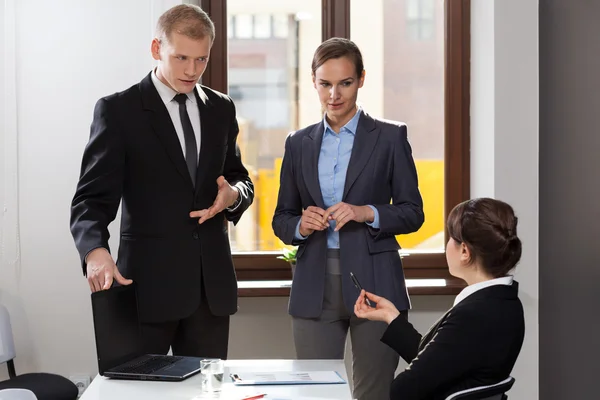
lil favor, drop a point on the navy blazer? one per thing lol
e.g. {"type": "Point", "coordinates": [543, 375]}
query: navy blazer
{"type": "Point", "coordinates": [381, 169]}
{"type": "Point", "coordinates": [476, 343]}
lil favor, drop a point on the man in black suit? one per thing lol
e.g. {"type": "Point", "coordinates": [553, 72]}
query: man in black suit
{"type": "Point", "coordinates": [166, 148]}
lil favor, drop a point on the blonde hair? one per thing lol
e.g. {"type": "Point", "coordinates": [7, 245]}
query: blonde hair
{"type": "Point", "coordinates": [186, 19]}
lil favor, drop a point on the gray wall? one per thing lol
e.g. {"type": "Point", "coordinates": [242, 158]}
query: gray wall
{"type": "Point", "coordinates": [569, 198]}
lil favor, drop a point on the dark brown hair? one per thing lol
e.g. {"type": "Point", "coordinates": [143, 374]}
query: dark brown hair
{"type": "Point", "coordinates": [337, 48]}
{"type": "Point", "coordinates": [488, 228]}
{"type": "Point", "coordinates": [186, 19]}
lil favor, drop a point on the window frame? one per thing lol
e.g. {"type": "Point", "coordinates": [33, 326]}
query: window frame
{"type": "Point", "coordinates": [254, 266]}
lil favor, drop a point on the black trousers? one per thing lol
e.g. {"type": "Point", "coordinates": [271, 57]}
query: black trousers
{"type": "Point", "coordinates": [202, 334]}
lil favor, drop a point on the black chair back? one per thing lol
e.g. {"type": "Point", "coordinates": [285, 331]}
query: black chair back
{"type": "Point", "coordinates": [493, 392]}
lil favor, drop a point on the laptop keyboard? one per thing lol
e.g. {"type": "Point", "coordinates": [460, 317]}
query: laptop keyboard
{"type": "Point", "coordinates": [148, 365]}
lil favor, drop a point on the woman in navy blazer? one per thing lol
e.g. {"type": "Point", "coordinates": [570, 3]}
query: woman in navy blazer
{"type": "Point", "coordinates": [477, 342]}
{"type": "Point", "coordinates": [348, 185]}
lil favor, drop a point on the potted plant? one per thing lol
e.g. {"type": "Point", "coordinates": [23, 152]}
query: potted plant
{"type": "Point", "coordinates": [289, 256]}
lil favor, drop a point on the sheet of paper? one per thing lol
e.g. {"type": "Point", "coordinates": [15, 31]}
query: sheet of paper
{"type": "Point", "coordinates": [296, 398]}
{"type": "Point", "coordinates": [287, 378]}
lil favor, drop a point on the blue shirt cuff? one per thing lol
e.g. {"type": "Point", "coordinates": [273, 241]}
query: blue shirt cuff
{"type": "Point", "coordinates": [375, 223]}
{"type": "Point", "coordinates": [298, 235]}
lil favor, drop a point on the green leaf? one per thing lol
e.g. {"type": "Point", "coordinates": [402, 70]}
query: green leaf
{"type": "Point", "coordinates": [288, 255]}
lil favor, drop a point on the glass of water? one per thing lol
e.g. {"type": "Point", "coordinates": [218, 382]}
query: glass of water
{"type": "Point", "coordinates": [212, 375]}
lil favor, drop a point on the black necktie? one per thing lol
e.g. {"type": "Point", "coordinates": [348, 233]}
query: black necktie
{"type": "Point", "coordinates": [191, 149]}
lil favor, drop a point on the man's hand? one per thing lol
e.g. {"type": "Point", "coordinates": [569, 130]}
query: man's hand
{"type": "Point", "coordinates": [101, 270]}
{"type": "Point", "coordinates": [343, 213]}
{"type": "Point", "coordinates": [226, 197]}
{"type": "Point", "coordinates": [384, 310]}
{"type": "Point", "coordinates": [313, 219]}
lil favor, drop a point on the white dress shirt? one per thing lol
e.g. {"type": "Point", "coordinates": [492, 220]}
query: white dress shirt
{"type": "Point", "coordinates": [167, 94]}
{"type": "Point", "coordinates": [469, 290]}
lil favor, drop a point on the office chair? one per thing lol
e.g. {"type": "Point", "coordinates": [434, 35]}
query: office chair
{"type": "Point", "coordinates": [492, 392]}
{"type": "Point", "coordinates": [44, 386]}
{"type": "Point", "coordinates": [17, 394]}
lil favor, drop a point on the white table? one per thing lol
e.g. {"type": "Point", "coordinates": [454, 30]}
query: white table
{"type": "Point", "coordinates": [114, 389]}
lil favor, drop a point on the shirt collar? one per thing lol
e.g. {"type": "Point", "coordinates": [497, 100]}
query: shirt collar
{"type": "Point", "coordinates": [469, 290]}
{"type": "Point", "coordinates": [350, 125]}
{"type": "Point", "coordinates": [166, 93]}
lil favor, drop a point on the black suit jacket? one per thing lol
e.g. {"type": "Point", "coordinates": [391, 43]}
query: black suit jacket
{"type": "Point", "coordinates": [381, 168]}
{"type": "Point", "coordinates": [134, 156]}
{"type": "Point", "coordinates": [475, 343]}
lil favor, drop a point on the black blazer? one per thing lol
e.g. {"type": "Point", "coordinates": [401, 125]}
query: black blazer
{"type": "Point", "coordinates": [475, 343]}
{"type": "Point", "coordinates": [381, 169]}
{"type": "Point", "coordinates": [134, 156]}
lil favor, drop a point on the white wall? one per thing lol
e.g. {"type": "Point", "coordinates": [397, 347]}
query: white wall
{"type": "Point", "coordinates": [2, 91]}
{"type": "Point", "coordinates": [68, 54]}
{"type": "Point", "coordinates": [505, 144]}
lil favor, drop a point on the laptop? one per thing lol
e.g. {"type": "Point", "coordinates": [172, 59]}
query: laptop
{"type": "Point", "coordinates": [118, 341]}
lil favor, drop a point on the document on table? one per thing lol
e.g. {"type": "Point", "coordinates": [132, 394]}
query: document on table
{"type": "Point", "coordinates": [297, 398]}
{"type": "Point", "coordinates": [287, 378]}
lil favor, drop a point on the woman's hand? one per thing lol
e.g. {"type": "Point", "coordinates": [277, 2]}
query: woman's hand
{"type": "Point", "coordinates": [343, 213]}
{"type": "Point", "coordinates": [384, 310]}
{"type": "Point", "coordinates": [313, 219]}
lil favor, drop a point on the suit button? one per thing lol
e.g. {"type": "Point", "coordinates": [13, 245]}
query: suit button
{"type": "Point", "coordinates": [195, 235]}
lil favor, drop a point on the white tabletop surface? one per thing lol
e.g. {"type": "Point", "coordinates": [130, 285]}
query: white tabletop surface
{"type": "Point", "coordinates": [115, 389]}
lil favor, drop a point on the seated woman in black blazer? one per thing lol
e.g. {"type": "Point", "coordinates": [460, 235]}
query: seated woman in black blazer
{"type": "Point", "coordinates": [476, 343]}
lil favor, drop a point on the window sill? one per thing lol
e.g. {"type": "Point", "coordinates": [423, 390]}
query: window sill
{"type": "Point", "coordinates": [416, 287]}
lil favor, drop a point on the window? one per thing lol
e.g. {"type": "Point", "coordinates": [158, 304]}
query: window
{"type": "Point", "coordinates": [420, 17]}
{"type": "Point", "coordinates": [424, 83]}
{"type": "Point", "coordinates": [257, 26]}
{"type": "Point", "coordinates": [262, 26]}
{"type": "Point", "coordinates": [273, 95]}
{"type": "Point", "coordinates": [230, 27]}
{"type": "Point", "coordinates": [243, 26]}
{"type": "Point", "coordinates": [405, 82]}
{"type": "Point", "coordinates": [281, 25]}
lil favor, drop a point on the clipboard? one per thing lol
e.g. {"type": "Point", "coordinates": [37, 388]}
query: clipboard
{"type": "Point", "coordinates": [287, 378]}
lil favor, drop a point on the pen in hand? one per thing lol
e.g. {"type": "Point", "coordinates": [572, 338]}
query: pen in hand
{"type": "Point", "coordinates": [368, 302]}
{"type": "Point", "coordinates": [359, 287]}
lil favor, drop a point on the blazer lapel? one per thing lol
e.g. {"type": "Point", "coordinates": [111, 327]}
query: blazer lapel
{"type": "Point", "coordinates": [364, 143]}
{"type": "Point", "coordinates": [161, 123]}
{"type": "Point", "coordinates": [311, 148]}
{"type": "Point", "coordinates": [432, 331]}
{"type": "Point", "coordinates": [207, 125]}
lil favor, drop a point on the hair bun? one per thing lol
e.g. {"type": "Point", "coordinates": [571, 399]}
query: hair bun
{"type": "Point", "coordinates": [489, 228]}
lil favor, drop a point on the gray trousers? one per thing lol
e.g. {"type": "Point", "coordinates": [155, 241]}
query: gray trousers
{"type": "Point", "coordinates": [373, 363]}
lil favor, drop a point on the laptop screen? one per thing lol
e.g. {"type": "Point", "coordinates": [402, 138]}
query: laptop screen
{"type": "Point", "coordinates": [116, 325]}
